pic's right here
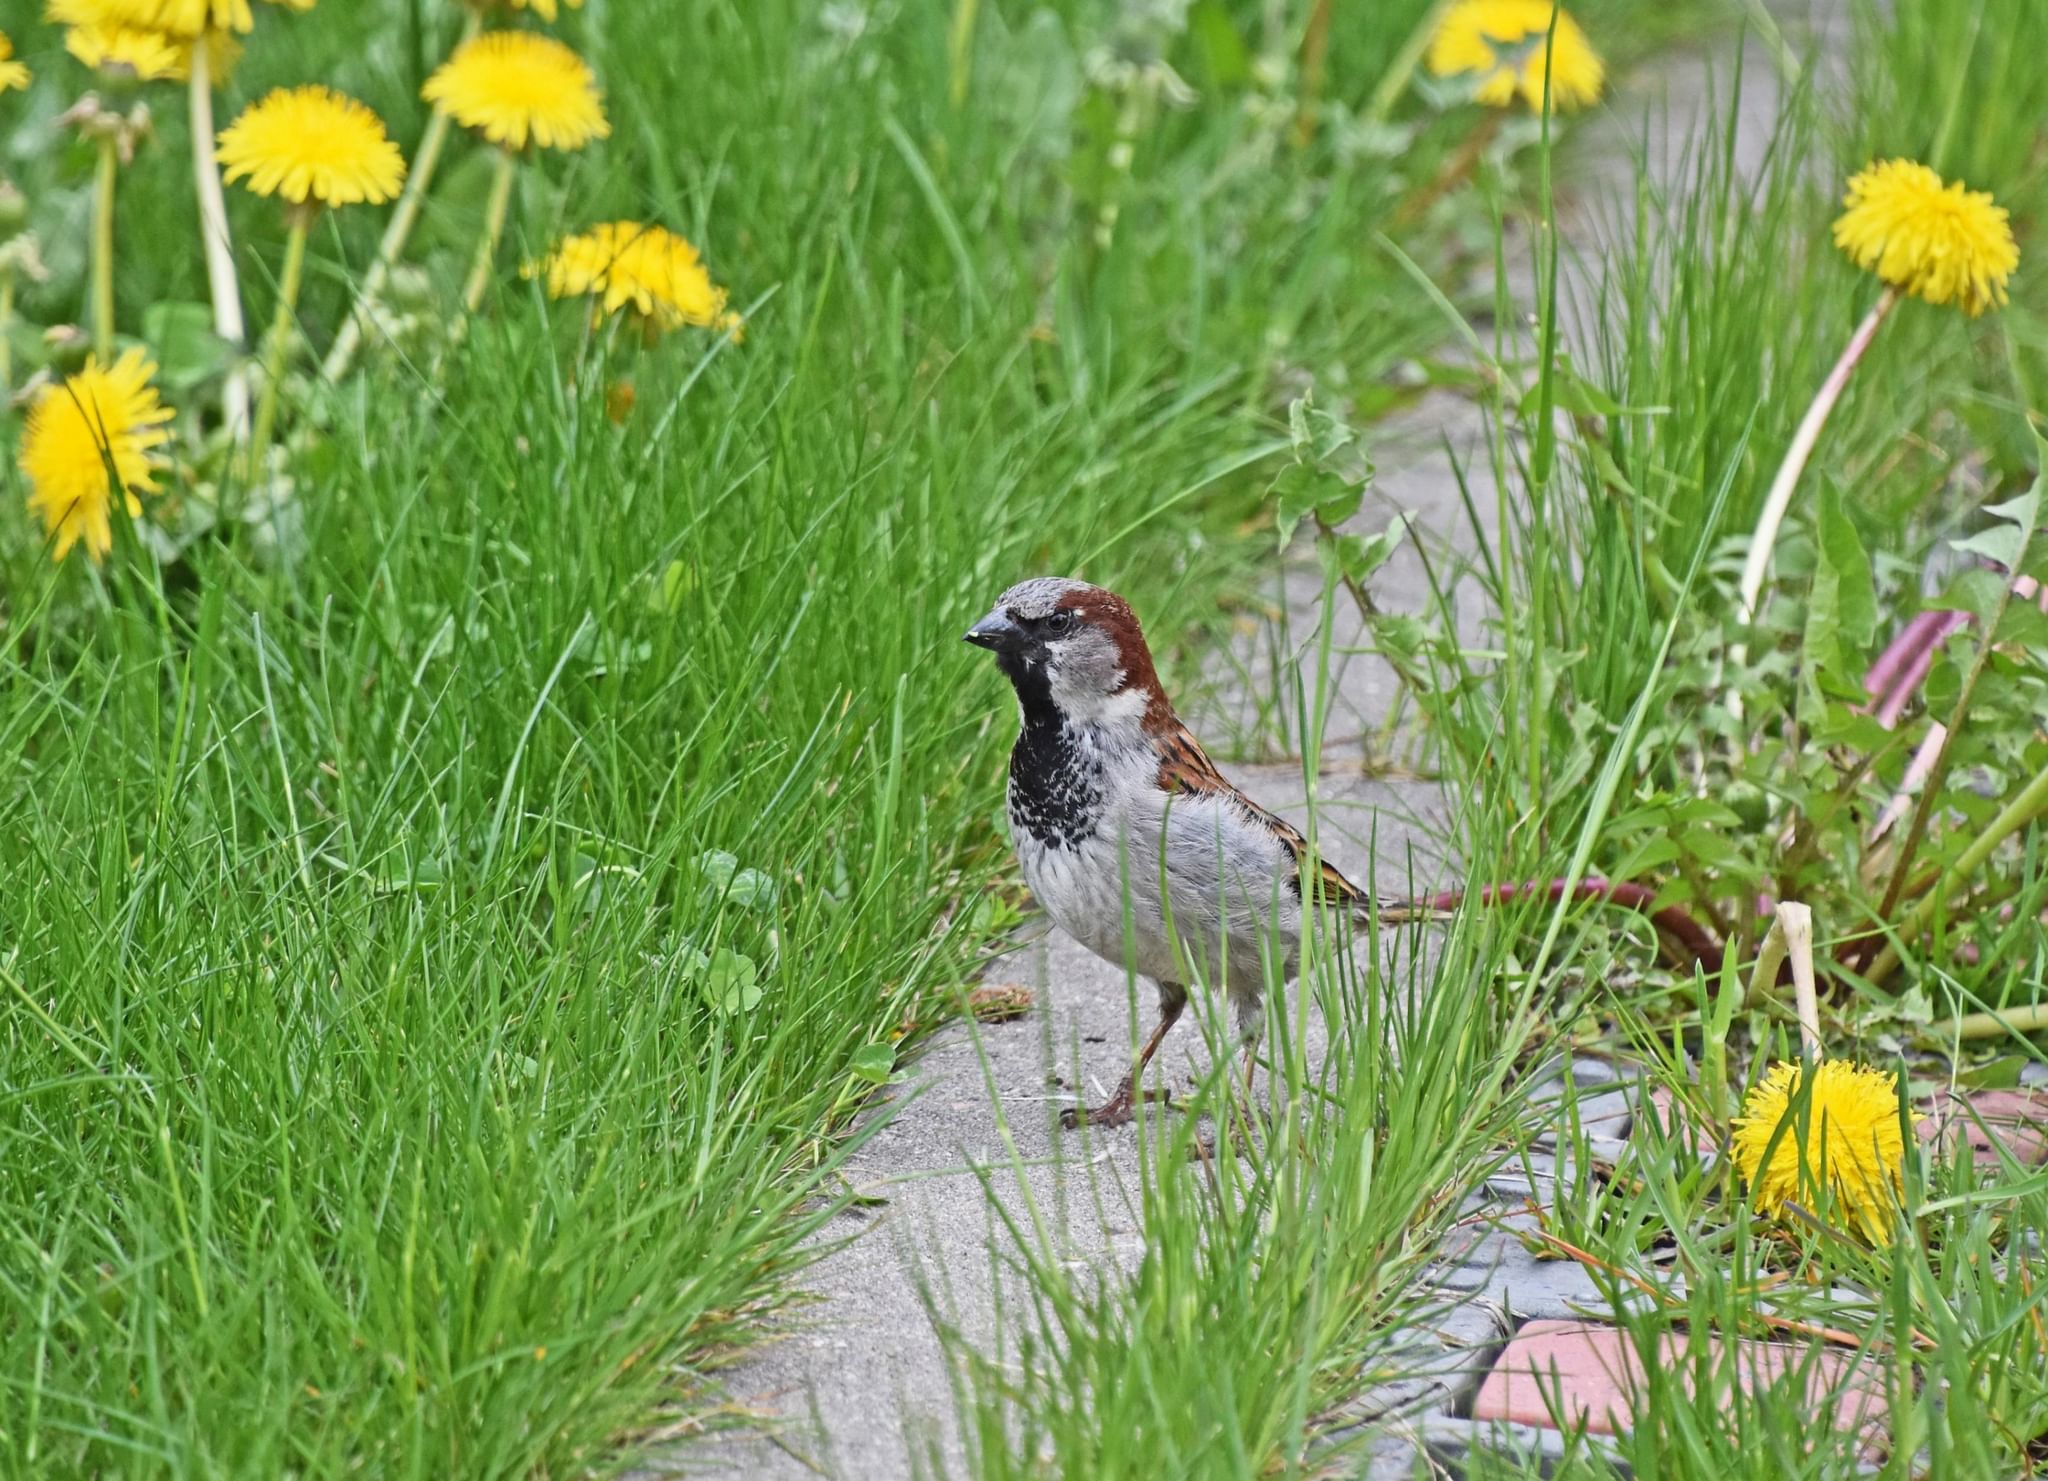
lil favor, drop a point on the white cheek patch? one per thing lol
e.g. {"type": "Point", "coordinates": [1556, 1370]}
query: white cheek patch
{"type": "Point", "coordinates": [1125, 707]}
{"type": "Point", "coordinates": [1086, 703]}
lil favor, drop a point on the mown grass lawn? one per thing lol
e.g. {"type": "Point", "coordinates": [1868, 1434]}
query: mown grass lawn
{"type": "Point", "coordinates": [459, 885]}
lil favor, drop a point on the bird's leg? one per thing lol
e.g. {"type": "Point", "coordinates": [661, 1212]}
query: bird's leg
{"type": "Point", "coordinates": [1251, 1028]}
{"type": "Point", "coordinates": [1123, 1102]}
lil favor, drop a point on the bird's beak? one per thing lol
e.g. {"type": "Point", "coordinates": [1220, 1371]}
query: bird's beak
{"type": "Point", "coordinates": [997, 633]}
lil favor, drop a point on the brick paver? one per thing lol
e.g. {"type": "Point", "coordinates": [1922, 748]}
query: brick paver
{"type": "Point", "coordinates": [1561, 1374]}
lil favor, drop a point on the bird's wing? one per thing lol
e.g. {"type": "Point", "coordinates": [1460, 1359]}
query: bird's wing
{"type": "Point", "coordinates": [1184, 767]}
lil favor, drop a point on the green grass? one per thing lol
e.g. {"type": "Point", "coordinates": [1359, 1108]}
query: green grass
{"type": "Point", "coordinates": [1716, 316]}
{"type": "Point", "coordinates": [402, 1076]}
{"type": "Point", "coordinates": [1278, 1286]}
{"type": "Point", "coordinates": [447, 935]}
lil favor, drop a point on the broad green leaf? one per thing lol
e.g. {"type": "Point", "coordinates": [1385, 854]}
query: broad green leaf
{"type": "Point", "coordinates": [2016, 520]}
{"type": "Point", "coordinates": [1573, 393]}
{"type": "Point", "coordinates": [1401, 635]}
{"type": "Point", "coordinates": [677, 582]}
{"type": "Point", "coordinates": [186, 348]}
{"type": "Point", "coordinates": [1841, 613]}
{"type": "Point", "coordinates": [2024, 625]}
{"type": "Point", "coordinates": [733, 982]}
{"type": "Point", "coordinates": [752, 889]}
{"type": "Point", "coordinates": [1329, 475]}
{"type": "Point", "coordinates": [1317, 435]}
{"type": "Point", "coordinates": [1302, 490]}
{"type": "Point", "coordinates": [1359, 557]}
{"type": "Point", "coordinates": [415, 874]}
{"type": "Point", "coordinates": [724, 879]}
{"type": "Point", "coordinates": [873, 1063]}
{"type": "Point", "coordinates": [1975, 591]}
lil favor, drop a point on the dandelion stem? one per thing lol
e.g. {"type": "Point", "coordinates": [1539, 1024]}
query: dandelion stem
{"type": "Point", "coordinates": [399, 229]}
{"type": "Point", "coordinates": [1937, 771]}
{"type": "Point", "coordinates": [1756, 566]}
{"type": "Point", "coordinates": [1790, 935]}
{"type": "Point", "coordinates": [494, 231]}
{"type": "Point", "coordinates": [280, 339]}
{"type": "Point", "coordinates": [960, 50]}
{"type": "Point", "coordinates": [2030, 1019]}
{"type": "Point", "coordinates": [6, 329]}
{"type": "Point", "coordinates": [219, 247]}
{"type": "Point", "coordinates": [2015, 815]}
{"type": "Point", "coordinates": [104, 176]}
{"type": "Point", "coordinates": [1315, 56]}
{"type": "Point", "coordinates": [1394, 82]}
{"type": "Point", "coordinates": [1454, 172]}
{"type": "Point", "coordinates": [1770, 956]}
{"type": "Point", "coordinates": [1796, 921]}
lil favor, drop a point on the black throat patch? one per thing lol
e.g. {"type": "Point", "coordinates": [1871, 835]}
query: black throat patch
{"type": "Point", "coordinates": [1055, 781]}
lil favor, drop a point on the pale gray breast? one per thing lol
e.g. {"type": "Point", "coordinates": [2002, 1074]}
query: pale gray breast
{"type": "Point", "coordinates": [1225, 880]}
{"type": "Point", "coordinates": [1229, 870]}
{"type": "Point", "coordinates": [1227, 884]}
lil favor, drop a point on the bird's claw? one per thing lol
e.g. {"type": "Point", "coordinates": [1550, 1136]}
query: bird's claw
{"type": "Point", "coordinates": [1115, 1111]}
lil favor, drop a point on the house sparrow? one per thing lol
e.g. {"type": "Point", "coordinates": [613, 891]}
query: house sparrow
{"type": "Point", "coordinates": [1129, 836]}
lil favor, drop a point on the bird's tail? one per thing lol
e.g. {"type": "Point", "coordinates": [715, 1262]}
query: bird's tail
{"type": "Point", "coordinates": [1397, 912]}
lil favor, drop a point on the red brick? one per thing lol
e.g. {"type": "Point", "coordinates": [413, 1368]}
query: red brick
{"type": "Point", "coordinates": [1590, 1372]}
{"type": "Point", "coordinates": [1669, 1115]}
{"type": "Point", "coordinates": [2018, 1119]}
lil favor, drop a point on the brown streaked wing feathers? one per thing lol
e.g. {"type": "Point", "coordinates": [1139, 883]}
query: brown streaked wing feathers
{"type": "Point", "coordinates": [1186, 767]}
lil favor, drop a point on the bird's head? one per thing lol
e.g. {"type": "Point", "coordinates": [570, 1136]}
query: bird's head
{"type": "Point", "coordinates": [1075, 648]}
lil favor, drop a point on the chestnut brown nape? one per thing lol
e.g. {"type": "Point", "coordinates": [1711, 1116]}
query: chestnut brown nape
{"type": "Point", "coordinates": [1109, 613]}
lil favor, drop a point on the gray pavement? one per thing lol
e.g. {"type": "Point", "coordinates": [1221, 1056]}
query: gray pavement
{"type": "Point", "coordinates": [858, 1383]}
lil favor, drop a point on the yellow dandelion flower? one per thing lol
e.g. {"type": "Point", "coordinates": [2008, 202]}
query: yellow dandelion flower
{"type": "Point", "coordinates": [181, 19]}
{"type": "Point", "coordinates": [1844, 1139]}
{"type": "Point", "coordinates": [1939, 242]}
{"type": "Point", "coordinates": [145, 55]}
{"type": "Point", "coordinates": [129, 51]}
{"type": "Point", "coordinates": [1505, 42]}
{"type": "Point", "coordinates": [512, 86]}
{"type": "Point", "coordinates": [12, 73]}
{"type": "Point", "coordinates": [185, 19]}
{"type": "Point", "coordinates": [648, 269]}
{"type": "Point", "coordinates": [312, 145]}
{"type": "Point", "coordinates": [97, 431]}
{"type": "Point", "coordinates": [190, 17]}
{"type": "Point", "coordinates": [97, 13]}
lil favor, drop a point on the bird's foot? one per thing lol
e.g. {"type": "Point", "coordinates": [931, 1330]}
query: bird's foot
{"type": "Point", "coordinates": [1115, 1111]}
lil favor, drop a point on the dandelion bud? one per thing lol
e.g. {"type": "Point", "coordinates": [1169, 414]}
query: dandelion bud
{"type": "Point", "coordinates": [68, 346]}
{"type": "Point", "coordinates": [20, 257]}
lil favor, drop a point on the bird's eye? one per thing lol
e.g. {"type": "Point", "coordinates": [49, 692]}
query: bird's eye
{"type": "Point", "coordinates": [1060, 623]}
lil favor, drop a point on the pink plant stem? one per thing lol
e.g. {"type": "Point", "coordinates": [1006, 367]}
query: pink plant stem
{"type": "Point", "coordinates": [1670, 920]}
{"type": "Point", "coordinates": [1757, 564]}
{"type": "Point", "coordinates": [218, 247]}
{"type": "Point", "coordinates": [1896, 674]}
{"type": "Point", "coordinates": [1917, 772]}
{"type": "Point", "coordinates": [1899, 669]}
